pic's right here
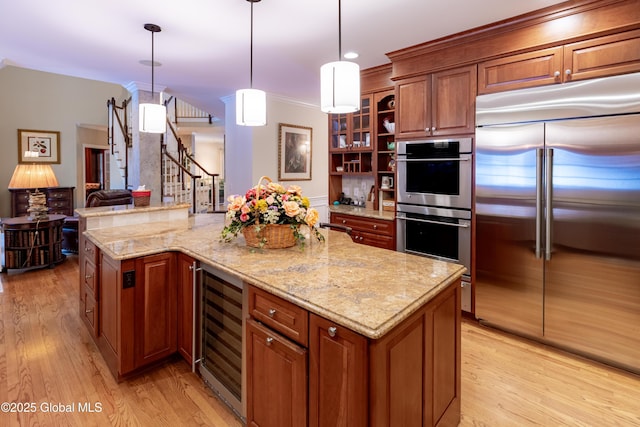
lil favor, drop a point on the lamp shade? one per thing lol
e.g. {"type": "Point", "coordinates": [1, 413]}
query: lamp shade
{"type": "Point", "coordinates": [340, 87]}
{"type": "Point", "coordinates": [251, 107]}
{"type": "Point", "coordinates": [153, 118]}
{"type": "Point", "coordinates": [33, 176]}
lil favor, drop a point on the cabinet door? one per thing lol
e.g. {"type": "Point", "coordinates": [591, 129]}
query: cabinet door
{"type": "Point", "coordinates": [186, 289]}
{"type": "Point", "coordinates": [541, 67]}
{"type": "Point", "coordinates": [603, 56]}
{"type": "Point", "coordinates": [155, 316]}
{"type": "Point", "coordinates": [413, 107]}
{"type": "Point", "coordinates": [276, 379]}
{"type": "Point", "coordinates": [454, 101]}
{"type": "Point", "coordinates": [337, 375]}
{"type": "Point", "coordinates": [109, 303]}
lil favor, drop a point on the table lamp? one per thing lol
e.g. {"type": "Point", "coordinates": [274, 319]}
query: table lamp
{"type": "Point", "coordinates": [34, 175]}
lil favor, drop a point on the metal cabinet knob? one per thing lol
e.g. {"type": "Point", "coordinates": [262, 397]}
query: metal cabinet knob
{"type": "Point", "coordinates": [556, 74]}
{"type": "Point", "coordinates": [88, 277]}
{"type": "Point", "coordinates": [567, 71]}
{"type": "Point", "coordinates": [272, 312]}
{"type": "Point", "coordinates": [375, 226]}
{"type": "Point", "coordinates": [332, 331]}
{"type": "Point", "coordinates": [344, 221]}
{"type": "Point", "coordinates": [269, 340]}
{"type": "Point", "coordinates": [88, 311]}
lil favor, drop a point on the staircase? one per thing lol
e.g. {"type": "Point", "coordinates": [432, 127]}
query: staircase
{"type": "Point", "coordinates": [184, 180]}
{"type": "Point", "coordinates": [119, 134]}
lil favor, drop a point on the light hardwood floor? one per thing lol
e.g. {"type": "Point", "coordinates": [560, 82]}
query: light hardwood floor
{"type": "Point", "coordinates": [48, 359]}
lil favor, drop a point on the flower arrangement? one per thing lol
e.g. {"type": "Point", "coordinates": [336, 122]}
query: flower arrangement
{"type": "Point", "coordinates": [266, 205]}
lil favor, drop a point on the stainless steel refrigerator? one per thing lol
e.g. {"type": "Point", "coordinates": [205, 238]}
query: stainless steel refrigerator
{"type": "Point", "coordinates": [558, 216]}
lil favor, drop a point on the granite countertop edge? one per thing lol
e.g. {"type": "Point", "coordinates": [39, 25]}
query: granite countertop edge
{"type": "Point", "coordinates": [252, 267]}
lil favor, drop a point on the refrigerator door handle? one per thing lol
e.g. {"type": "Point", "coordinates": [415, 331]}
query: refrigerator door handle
{"type": "Point", "coordinates": [539, 189]}
{"type": "Point", "coordinates": [548, 203]}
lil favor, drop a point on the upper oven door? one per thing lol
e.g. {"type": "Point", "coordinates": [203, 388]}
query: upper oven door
{"type": "Point", "coordinates": [435, 172]}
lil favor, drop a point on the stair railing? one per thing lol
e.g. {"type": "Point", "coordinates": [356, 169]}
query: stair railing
{"type": "Point", "coordinates": [119, 136]}
{"type": "Point", "coordinates": [201, 187]}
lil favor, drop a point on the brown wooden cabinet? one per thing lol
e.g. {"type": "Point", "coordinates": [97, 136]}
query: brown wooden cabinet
{"type": "Point", "coordinates": [436, 104]}
{"type": "Point", "coordinates": [59, 200]}
{"type": "Point", "coordinates": [337, 375]}
{"type": "Point", "coordinates": [408, 377]}
{"type": "Point", "coordinates": [368, 231]}
{"type": "Point", "coordinates": [32, 243]}
{"type": "Point", "coordinates": [276, 379]}
{"type": "Point", "coordinates": [597, 57]}
{"type": "Point", "coordinates": [89, 279]}
{"type": "Point", "coordinates": [187, 280]}
{"type": "Point", "coordinates": [155, 314]}
{"type": "Point", "coordinates": [130, 307]}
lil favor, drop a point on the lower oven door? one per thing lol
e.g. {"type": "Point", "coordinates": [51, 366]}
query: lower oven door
{"type": "Point", "coordinates": [438, 233]}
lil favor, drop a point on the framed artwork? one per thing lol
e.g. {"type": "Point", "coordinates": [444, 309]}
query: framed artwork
{"type": "Point", "coordinates": [45, 142]}
{"type": "Point", "coordinates": [294, 153]}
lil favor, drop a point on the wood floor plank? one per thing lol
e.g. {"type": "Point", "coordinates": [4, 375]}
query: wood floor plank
{"type": "Point", "coordinates": [48, 357]}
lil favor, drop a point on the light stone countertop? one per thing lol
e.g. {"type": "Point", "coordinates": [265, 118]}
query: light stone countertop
{"type": "Point", "coordinates": [366, 289]}
{"type": "Point", "coordinates": [359, 211]}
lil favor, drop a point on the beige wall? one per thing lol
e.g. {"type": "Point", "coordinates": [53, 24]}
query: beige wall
{"type": "Point", "coordinates": [257, 148]}
{"type": "Point", "coordinates": [44, 101]}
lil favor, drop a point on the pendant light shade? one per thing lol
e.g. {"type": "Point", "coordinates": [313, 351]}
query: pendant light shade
{"type": "Point", "coordinates": [340, 87]}
{"type": "Point", "coordinates": [251, 104]}
{"type": "Point", "coordinates": [340, 81]}
{"type": "Point", "coordinates": [152, 117]}
{"type": "Point", "coordinates": [251, 107]}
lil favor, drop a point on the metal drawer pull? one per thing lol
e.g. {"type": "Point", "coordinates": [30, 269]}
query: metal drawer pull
{"type": "Point", "coordinates": [332, 331]}
{"type": "Point", "coordinates": [88, 277]}
{"type": "Point", "coordinates": [88, 311]}
{"type": "Point", "coordinates": [272, 312]}
{"type": "Point", "coordinates": [269, 340]}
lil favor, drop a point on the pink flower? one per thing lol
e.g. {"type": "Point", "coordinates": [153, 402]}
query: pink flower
{"type": "Point", "coordinates": [244, 217]}
{"type": "Point", "coordinates": [235, 202]}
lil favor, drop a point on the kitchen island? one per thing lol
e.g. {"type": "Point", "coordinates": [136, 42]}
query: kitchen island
{"type": "Point", "coordinates": [402, 310]}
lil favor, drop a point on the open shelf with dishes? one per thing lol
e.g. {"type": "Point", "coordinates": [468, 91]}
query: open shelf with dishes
{"type": "Point", "coordinates": [385, 149]}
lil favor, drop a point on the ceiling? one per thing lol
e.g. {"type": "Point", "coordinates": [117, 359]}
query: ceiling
{"type": "Point", "coordinates": [204, 49]}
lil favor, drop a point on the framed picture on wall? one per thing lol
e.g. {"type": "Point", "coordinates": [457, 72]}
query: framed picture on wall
{"type": "Point", "coordinates": [294, 153]}
{"type": "Point", "coordinates": [44, 142]}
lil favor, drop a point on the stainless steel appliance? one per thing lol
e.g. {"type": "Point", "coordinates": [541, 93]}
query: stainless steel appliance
{"type": "Point", "coordinates": [435, 172]}
{"type": "Point", "coordinates": [558, 216]}
{"type": "Point", "coordinates": [222, 338]}
{"type": "Point", "coordinates": [435, 232]}
{"type": "Point", "coordinates": [433, 209]}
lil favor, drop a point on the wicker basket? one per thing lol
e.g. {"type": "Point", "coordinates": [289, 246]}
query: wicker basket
{"type": "Point", "coordinates": [269, 236]}
{"type": "Point", "coordinates": [141, 198]}
{"type": "Point", "coordinates": [275, 236]}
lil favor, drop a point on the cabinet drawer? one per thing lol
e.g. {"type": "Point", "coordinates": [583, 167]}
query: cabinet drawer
{"type": "Point", "coordinates": [283, 316]}
{"type": "Point", "coordinates": [90, 251]}
{"type": "Point", "coordinates": [364, 224]}
{"type": "Point", "coordinates": [371, 239]}
{"type": "Point", "coordinates": [90, 275]}
{"type": "Point", "coordinates": [89, 311]}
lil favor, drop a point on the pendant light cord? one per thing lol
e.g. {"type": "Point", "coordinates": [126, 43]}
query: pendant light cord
{"type": "Point", "coordinates": [152, 67]}
{"type": "Point", "coordinates": [251, 52]}
{"type": "Point", "coordinates": [339, 30]}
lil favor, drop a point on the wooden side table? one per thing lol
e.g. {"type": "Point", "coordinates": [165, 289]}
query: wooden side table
{"type": "Point", "coordinates": [32, 243]}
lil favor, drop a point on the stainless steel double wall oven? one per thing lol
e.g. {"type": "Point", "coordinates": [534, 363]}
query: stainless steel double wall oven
{"type": "Point", "coordinates": [435, 183]}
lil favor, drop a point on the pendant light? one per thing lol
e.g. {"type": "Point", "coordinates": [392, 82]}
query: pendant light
{"type": "Point", "coordinates": [340, 81]}
{"type": "Point", "coordinates": [251, 104]}
{"type": "Point", "coordinates": [153, 117]}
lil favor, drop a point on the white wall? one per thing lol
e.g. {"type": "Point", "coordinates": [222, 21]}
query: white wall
{"type": "Point", "coordinates": [252, 152]}
{"type": "Point", "coordinates": [43, 101]}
